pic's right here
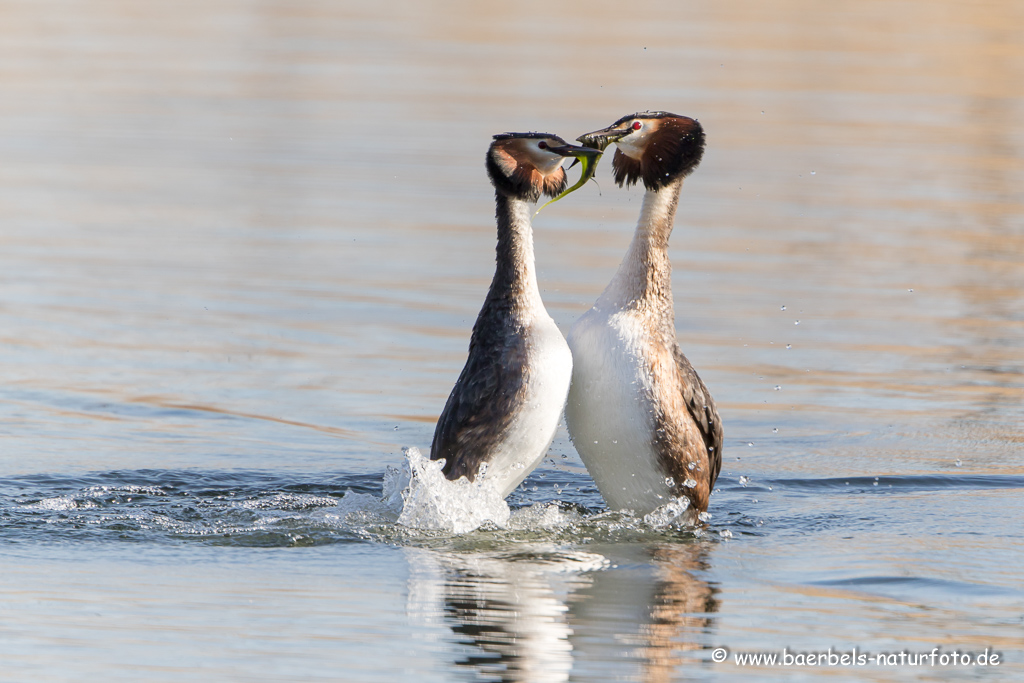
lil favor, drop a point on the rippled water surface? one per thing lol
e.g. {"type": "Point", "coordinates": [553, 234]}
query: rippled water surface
{"type": "Point", "coordinates": [242, 246]}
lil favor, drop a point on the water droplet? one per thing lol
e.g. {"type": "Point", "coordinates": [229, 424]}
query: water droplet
{"type": "Point", "coordinates": [744, 480]}
{"type": "Point", "coordinates": [754, 500]}
{"type": "Point", "coordinates": [692, 466]}
{"type": "Point", "coordinates": [704, 516]}
{"type": "Point", "coordinates": [615, 440]}
{"type": "Point", "coordinates": [959, 462]}
{"type": "Point", "coordinates": [690, 483]}
{"type": "Point", "coordinates": [911, 290]}
{"type": "Point", "coordinates": [778, 387]}
{"type": "Point", "coordinates": [775, 430]}
{"type": "Point", "coordinates": [797, 322]}
{"type": "Point", "coordinates": [725, 533]}
{"type": "Point", "coordinates": [783, 308]}
{"type": "Point", "coordinates": [670, 482]}
{"type": "Point", "coordinates": [814, 172]}
{"type": "Point", "coordinates": [789, 346]}
{"type": "Point", "coordinates": [769, 488]}
{"type": "Point", "coordinates": [533, 488]}
{"type": "Point", "coordinates": [396, 428]}
{"type": "Point", "coordinates": [750, 443]}
{"type": "Point", "coordinates": [595, 442]}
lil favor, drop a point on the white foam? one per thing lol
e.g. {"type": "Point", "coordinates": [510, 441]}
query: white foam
{"type": "Point", "coordinates": [420, 497]}
{"type": "Point", "coordinates": [548, 516]}
{"type": "Point", "coordinates": [61, 503]}
{"type": "Point", "coordinates": [676, 512]}
{"type": "Point", "coordinates": [417, 496]}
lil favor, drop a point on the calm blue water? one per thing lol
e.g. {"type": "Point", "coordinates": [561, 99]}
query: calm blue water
{"type": "Point", "coordinates": [241, 250]}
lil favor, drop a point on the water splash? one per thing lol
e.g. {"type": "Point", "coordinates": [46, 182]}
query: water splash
{"type": "Point", "coordinates": [675, 513]}
{"type": "Point", "coordinates": [547, 516]}
{"type": "Point", "coordinates": [410, 505]}
{"type": "Point", "coordinates": [420, 497]}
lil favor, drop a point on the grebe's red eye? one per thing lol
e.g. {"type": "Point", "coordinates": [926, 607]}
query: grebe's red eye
{"type": "Point", "coordinates": [542, 144]}
{"type": "Point", "coordinates": [637, 125]}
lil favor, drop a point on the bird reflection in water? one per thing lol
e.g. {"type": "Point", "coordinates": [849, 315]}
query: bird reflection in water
{"type": "Point", "coordinates": [508, 608]}
{"type": "Point", "coordinates": [540, 613]}
{"type": "Point", "coordinates": [679, 612]}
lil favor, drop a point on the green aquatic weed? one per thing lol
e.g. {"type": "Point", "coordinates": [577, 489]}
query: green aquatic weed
{"type": "Point", "coordinates": [589, 165]}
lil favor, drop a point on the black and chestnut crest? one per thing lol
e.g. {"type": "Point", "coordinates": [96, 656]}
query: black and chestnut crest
{"type": "Point", "coordinates": [653, 146]}
{"type": "Point", "coordinates": [527, 165]}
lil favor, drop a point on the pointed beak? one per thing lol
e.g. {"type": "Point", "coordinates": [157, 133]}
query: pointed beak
{"type": "Point", "coordinates": [604, 137]}
{"type": "Point", "coordinates": [575, 151]}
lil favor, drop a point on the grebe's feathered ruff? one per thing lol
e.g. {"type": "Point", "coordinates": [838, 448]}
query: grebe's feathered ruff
{"type": "Point", "coordinates": [505, 406]}
{"type": "Point", "coordinates": [641, 419]}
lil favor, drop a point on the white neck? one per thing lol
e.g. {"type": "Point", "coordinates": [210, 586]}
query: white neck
{"type": "Point", "coordinates": [645, 274]}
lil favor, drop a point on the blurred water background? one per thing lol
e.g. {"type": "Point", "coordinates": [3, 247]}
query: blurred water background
{"type": "Point", "coordinates": [242, 245]}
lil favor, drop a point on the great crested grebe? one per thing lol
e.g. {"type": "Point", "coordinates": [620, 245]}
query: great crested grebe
{"type": "Point", "coordinates": [641, 419]}
{"type": "Point", "coordinates": [507, 402]}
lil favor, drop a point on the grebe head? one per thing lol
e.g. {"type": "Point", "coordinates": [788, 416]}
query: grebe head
{"type": "Point", "coordinates": [526, 165]}
{"type": "Point", "coordinates": [654, 146]}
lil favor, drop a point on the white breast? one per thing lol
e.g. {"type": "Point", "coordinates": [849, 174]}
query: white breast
{"type": "Point", "coordinates": [536, 418]}
{"type": "Point", "coordinates": [609, 411]}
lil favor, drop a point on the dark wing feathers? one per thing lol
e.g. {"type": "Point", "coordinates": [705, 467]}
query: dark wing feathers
{"type": "Point", "coordinates": [480, 407]}
{"type": "Point", "coordinates": [702, 408]}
